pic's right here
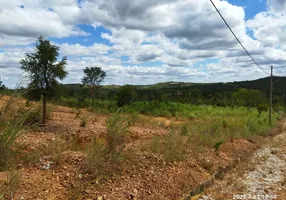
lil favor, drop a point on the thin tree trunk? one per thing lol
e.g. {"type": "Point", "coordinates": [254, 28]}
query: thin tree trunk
{"type": "Point", "coordinates": [44, 109]}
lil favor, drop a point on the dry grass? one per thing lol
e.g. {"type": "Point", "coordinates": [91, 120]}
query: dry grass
{"type": "Point", "coordinates": [76, 189]}
{"type": "Point", "coordinates": [173, 147]}
{"type": "Point", "coordinates": [10, 185]}
{"type": "Point", "coordinates": [117, 129]}
{"type": "Point", "coordinates": [104, 156]}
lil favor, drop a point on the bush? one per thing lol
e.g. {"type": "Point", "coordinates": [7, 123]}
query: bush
{"type": "Point", "coordinates": [261, 108]}
{"type": "Point", "coordinates": [14, 119]}
{"type": "Point", "coordinates": [125, 96]}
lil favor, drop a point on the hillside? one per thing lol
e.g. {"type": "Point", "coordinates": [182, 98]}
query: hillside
{"type": "Point", "coordinates": [205, 88]}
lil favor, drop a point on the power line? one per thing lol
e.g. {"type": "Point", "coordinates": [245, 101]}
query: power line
{"type": "Point", "coordinates": [279, 79]}
{"type": "Point", "coordinates": [237, 38]}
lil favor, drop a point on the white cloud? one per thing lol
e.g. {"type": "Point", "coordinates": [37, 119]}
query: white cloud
{"type": "Point", "coordinates": [270, 29]}
{"type": "Point", "coordinates": [79, 50]}
{"type": "Point", "coordinates": [277, 5]}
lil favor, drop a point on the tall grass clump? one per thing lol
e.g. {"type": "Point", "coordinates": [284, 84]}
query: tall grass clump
{"type": "Point", "coordinates": [117, 128]}
{"type": "Point", "coordinates": [10, 129]}
{"type": "Point", "coordinates": [9, 187]}
{"type": "Point", "coordinates": [97, 158]}
{"type": "Point", "coordinates": [105, 155]}
{"type": "Point", "coordinates": [173, 147]}
{"type": "Point", "coordinates": [8, 134]}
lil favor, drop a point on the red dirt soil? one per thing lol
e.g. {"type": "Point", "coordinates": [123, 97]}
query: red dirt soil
{"type": "Point", "coordinates": [144, 176]}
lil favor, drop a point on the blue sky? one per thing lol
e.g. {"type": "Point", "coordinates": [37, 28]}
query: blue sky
{"type": "Point", "coordinates": [251, 7]}
{"type": "Point", "coordinates": [145, 42]}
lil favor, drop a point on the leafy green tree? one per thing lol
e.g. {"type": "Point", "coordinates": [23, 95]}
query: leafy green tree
{"type": "Point", "coordinates": [249, 98]}
{"type": "Point", "coordinates": [2, 86]}
{"type": "Point", "coordinates": [125, 96]}
{"type": "Point", "coordinates": [93, 76]}
{"type": "Point", "coordinates": [44, 69]}
{"type": "Point", "coordinates": [262, 107]}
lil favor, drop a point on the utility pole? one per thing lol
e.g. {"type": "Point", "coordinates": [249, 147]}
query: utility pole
{"type": "Point", "coordinates": [283, 101]}
{"type": "Point", "coordinates": [270, 97]}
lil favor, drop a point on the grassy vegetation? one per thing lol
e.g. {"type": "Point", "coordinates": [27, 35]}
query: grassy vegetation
{"type": "Point", "coordinates": [9, 187]}
{"type": "Point", "coordinates": [96, 106]}
{"type": "Point", "coordinates": [12, 122]}
{"type": "Point", "coordinates": [200, 127]}
{"type": "Point", "coordinates": [172, 147]}
{"type": "Point", "coordinates": [104, 156]}
{"type": "Point", "coordinates": [162, 109]}
{"type": "Point", "coordinates": [204, 125]}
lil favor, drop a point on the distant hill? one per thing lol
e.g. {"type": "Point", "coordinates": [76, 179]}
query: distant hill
{"type": "Point", "coordinates": [262, 84]}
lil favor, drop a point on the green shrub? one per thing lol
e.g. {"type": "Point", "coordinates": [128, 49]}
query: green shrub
{"type": "Point", "coordinates": [125, 95]}
{"type": "Point", "coordinates": [261, 108]}
{"type": "Point", "coordinates": [102, 163]}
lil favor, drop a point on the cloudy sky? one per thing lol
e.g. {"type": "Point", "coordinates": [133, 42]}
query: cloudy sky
{"type": "Point", "coordinates": [148, 41]}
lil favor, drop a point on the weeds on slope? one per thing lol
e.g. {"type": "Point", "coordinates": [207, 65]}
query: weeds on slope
{"type": "Point", "coordinates": [105, 155]}
{"type": "Point", "coordinates": [173, 147]}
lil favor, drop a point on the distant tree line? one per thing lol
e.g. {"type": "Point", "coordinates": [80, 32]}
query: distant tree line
{"type": "Point", "coordinates": [127, 94]}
